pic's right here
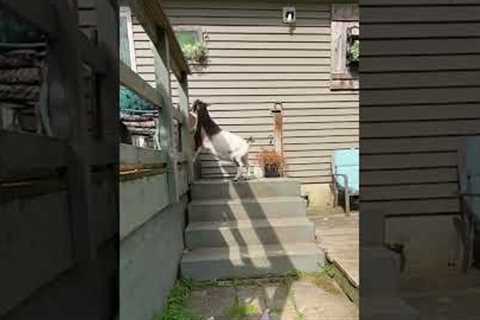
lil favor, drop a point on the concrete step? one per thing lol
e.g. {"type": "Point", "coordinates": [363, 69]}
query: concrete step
{"type": "Point", "coordinates": [250, 261]}
{"type": "Point", "coordinates": [248, 232]}
{"type": "Point", "coordinates": [242, 209]}
{"type": "Point", "coordinates": [380, 269]}
{"type": "Point", "coordinates": [251, 189]}
{"type": "Point", "coordinates": [386, 307]}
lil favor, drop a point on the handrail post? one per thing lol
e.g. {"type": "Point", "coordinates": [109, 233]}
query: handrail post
{"type": "Point", "coordinates": [166, 132]}
{"type": "Point", "coordinates": [187, 140]}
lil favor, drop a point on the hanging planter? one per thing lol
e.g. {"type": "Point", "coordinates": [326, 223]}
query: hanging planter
{"type": "Point", "coordinates": [353, 47]}
{"type": "Point", "coordinates": [195, 53]}
{"type": "Point", "coordinates": [192, 45]}
{"type": "Point", "coordinates": [271, 163]}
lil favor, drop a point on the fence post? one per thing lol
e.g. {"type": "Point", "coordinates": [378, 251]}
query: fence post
{"type": "Point", "coordinates": [166, 132]}
{"type": "Point", "coordinates": [187, 142]}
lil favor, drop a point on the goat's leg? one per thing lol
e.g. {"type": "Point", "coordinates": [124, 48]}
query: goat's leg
{"type": "Point", "coordinates": [240, 167]}
{"type": "Point", "coordinates": [247, 166]}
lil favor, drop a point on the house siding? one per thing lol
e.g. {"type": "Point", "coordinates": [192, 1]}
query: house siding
{"type": "Point", "coordinates": [253, 62]}
{"type": "Point", "coordinates": [420, 94]}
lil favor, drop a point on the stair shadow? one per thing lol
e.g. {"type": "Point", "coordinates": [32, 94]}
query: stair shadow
{"type": "Point", "coordinates": [254, 211]}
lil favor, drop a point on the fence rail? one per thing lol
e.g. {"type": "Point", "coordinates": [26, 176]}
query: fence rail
{"type": "Point", "coordinates": [174, 141]}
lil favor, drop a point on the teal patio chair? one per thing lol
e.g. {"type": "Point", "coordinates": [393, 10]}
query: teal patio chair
{"type": "Point", "coordinates": [345, 175]}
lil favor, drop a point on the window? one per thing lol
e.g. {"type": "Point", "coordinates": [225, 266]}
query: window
{"type": "Point", "coordinates": [345, 47]}
{"type": "Point", "coordinates": [127, 48]}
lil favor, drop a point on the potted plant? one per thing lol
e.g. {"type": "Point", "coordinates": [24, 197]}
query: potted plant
{"type": "Point", "coordinates": [271, 162]}
{"type": "Point", "coordinates": [196, 52]}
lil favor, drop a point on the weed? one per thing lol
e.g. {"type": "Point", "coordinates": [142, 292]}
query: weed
{"type": "Point", "coordinates": [241, 311]}
{"type": "Point", "coordinates": [176, 303]}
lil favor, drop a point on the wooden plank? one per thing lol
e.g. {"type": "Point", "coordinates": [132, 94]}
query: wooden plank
{"type": "Point", "coordinates": [66, 54]}
{"type": "Point", "coordinates": [41, 13]}
{"type": "Point", "coordinates": [132, 155]}
{"type": "Point", "coordinates": [410, 145]}
{"type": "Point", "coordinates": [419, 47]}
{"type": "Point", "coordinates": [427, 31]}
{"type": "Point", "coordinates": [420, 80]}
{"type": "Point", "coordinates": [420, 128]}
{"type": "Point", "coordinates": [408, 161]}
{"type": "Point", "coordinates": [49, 153]}
{"type": "Point", "coordinates": [408, 207]}
{"type": "Point", "coordinates": [36, 230]}
{"type": "Point", "coordinates": [407, 192]}
{"type": "Point", "coordinates": [166, 130]}
{"type": "Point", "coordinates": [421, 112]}
{"type": "Point", "coordinates": [367, 3]}
{"type": "Point", "coordinates": [420, 96]}
{"type": "Point", "coordinates": [421, 14]}
{"type": "Point", "coordinates": [394, 177]}
{"type": "Point", "coordinates": [92, 54]}
{"type": "Point", "coordinates": [420, 63]}
{"type": "Point", "coordinates": [134, 82]}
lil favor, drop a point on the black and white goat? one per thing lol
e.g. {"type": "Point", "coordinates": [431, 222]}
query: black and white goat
{"type": "Point", "coordinates": [210, 137]}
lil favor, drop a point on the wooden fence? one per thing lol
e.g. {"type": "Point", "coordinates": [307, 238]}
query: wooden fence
{"type": "Point", "coordinates": [175, 142]}
{"type": "Point", "coordinates": [59, 189]}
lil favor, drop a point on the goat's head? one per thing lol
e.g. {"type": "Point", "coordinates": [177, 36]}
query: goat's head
{"type": "Point", "coordinates": [198, 107]}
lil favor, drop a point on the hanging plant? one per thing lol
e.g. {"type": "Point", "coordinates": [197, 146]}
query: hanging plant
{"type": "Point", "coordinates": [353, 54]}
{"type": "Point", "coordinates": [195, 52]}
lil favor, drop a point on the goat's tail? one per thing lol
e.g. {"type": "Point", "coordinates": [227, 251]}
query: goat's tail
{"type": "Point", "coordinates": [250, 140]}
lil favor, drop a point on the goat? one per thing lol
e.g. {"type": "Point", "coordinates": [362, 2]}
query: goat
{"type": "Point", "coordinates": [210, 137]}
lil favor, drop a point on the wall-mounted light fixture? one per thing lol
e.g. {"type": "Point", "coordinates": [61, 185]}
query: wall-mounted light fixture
{"type": "Point", "coordinates": [289, 15]}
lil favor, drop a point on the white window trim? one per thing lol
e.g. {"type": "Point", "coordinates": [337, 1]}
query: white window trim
{"type": "Point", "coordinates": [343, 16]}
{"type": "Point", "coordinates": [202, 34]}
{"type": "Point", "coordinates": [126, 12]}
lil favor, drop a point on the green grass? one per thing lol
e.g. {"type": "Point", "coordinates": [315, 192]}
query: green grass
{"type": "Point", "coordinates": [240, 311]}
{"type": "Point", "coordinates": [176, 308]}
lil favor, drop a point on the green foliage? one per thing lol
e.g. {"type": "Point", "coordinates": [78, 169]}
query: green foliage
{"type": "Point", "coordinates": [353, 54]}
{"type": "Point", "coordinates": [176, 308]}
{"type": "Point", "coordinates": [196, 52]}
{"type": "Point", "coordinates": [241, 311]}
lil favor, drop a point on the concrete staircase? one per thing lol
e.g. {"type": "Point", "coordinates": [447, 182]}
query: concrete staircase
{"type": "Point", "coordinates": [380, 274]}
{"type": "Point", "coordinates": [248, 229]}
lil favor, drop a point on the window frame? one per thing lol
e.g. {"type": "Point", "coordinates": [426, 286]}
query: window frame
{"type": "Point", "coordinates": [126, 12]}
{"type": "Point", "coordinates": [343, 17]}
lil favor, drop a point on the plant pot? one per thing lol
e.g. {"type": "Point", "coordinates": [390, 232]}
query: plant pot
{"type": "Point", "coordinates": [271, 172]}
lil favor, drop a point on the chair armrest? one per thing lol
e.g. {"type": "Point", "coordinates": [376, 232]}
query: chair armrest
{"type": "Point", "coordinates": [345, 177]}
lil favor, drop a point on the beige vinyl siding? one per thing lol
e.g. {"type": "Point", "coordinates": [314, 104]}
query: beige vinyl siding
{"type": "Point", "coordinates": [255, 61]}
{"type": "Point", "coordinates": [420, 95]}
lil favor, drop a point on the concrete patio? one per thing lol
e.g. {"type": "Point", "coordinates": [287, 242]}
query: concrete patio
{"type": "Point", "coordinates": [304, 299]}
